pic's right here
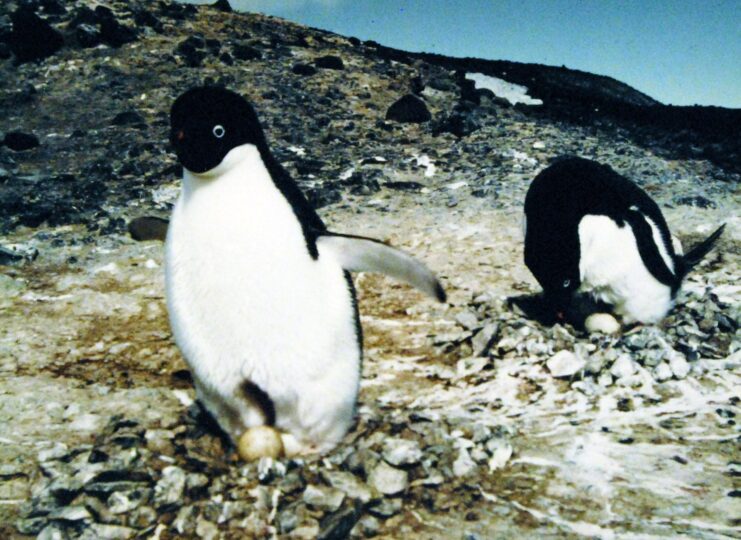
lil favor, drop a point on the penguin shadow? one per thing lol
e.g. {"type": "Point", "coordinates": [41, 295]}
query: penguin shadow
{"type": "Point", "coordinates": [536, 307]}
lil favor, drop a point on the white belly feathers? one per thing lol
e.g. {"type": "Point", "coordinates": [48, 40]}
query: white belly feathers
{"type": "Point", "coordinates": [612, 270]}
{"type": "Point", "coordinates": [247, 301]}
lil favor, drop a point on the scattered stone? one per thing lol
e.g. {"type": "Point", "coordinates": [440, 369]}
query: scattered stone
{"type": "Point", "coordinates": [242, 51]}
{"type": "Point", "coordinates": [148, 228]}
{"type": "Point", "coordinates": [329, 62]}
{"type": "Point", "coordinates": [387, 479]}
{"type": "Point", "coordinates": [408, 109]}
{"type": "Point", "coordinates": [679, 365]}
{"type": "Point", "coordinates": [19, 141]}
{"type": "Point", "coordinates": [623, 367]}
{"type": "Point", "coordinates": [565, 364]}
{"type": "Point", "coordinates": [32, 37]}
{"type": "Point", "coordinates": [169, 489]}
{"type": "Point", "coordinates": [129, 118]}
{"type": "Point", "coordinates": [323, 498]}
{"type": "Point", "coordinates": [304, 69]}
{"type": "Point", "coordinates": [402, 452]}
{"type": "Point", "coordinates": [349, 484]}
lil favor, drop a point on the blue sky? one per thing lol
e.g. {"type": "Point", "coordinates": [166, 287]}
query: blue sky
{"type": "Point", "coordinates": [681, 52]}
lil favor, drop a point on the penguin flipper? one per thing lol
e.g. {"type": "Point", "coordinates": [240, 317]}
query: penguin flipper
{"type": "Point", "coordinates": [696, 254]}
{"type": "Point", "coordinates": [361, 254]}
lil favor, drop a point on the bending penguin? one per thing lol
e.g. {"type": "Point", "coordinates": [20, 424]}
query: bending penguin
{"type": "Point", "coordinates": [259, 295]}
{"type": "Point", "coordinates": [590, 230]}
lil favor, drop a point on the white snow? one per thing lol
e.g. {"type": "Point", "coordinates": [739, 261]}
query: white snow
{"type": "Point", "coordinates": [514, 93]}
{"type": "Point", "coordinates": [425, 161]}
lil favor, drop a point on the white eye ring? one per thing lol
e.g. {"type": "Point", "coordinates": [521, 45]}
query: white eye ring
{"type": "Point", "coordinates": [218, 131]}
{"type": "Point", "coordinates": [566, 283]}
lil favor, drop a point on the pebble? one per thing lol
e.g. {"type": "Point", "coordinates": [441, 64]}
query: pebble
{"type": "Point", "coordinates": [408, 109]}
{"type": "Point", "coordinates": [387, 479]}
{"type": "Point", "coordinates": [400, 452]}
{"type": "Point", "coordinates": [323, 498]}
{"type": "Point", "coordinates": [624, 366]}
{"type": "Point", "coordinates": [350, 484]}
{"type": "Point", "coordinates": [663, 372]}
{"type": "Point", "coordinates": [565, 364]}
{"type": "Point", "coordinates": [679, 365]}
{"type": "Point", "coordinates": [169, 489]}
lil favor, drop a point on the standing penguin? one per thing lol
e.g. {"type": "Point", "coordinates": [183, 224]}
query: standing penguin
{"type": "Point", "coordinates": [589, 229]}
{"type": "Point", "coordinates": [259, 296]}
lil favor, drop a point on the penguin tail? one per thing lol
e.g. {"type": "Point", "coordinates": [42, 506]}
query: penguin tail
{"type": "Point", "coordinates": [696, 254]}
{"type": "Point", "coordinates": [361, 254]}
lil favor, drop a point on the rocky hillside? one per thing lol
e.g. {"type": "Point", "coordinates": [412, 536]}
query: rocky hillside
{"type": "Point", "coordinates": [473, 422]}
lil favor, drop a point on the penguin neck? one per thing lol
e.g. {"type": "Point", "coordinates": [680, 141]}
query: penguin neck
{"type": "Point", "coordinates": [232, 162]}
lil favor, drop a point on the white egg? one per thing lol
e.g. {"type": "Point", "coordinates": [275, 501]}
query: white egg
{"type": "Point", "coordinates": [260, 441]}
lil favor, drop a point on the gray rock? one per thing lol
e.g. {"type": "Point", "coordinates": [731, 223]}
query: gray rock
{"type": "Point", "coordinates": [206, 529]}
{"type": "Point", "coordinates": [53, 532]}
{"type": "Point", "coordinates": [662, 372]}
{"type": "Point", "coordinates": [169, 489]}
{"type": "Point", "coordinates": [323, 498]}
{"type": "Point", "coordinates": [101, 531]}
{"type": "Point", "coordinates": [402, 452]}
{"type": "Point", "coordinates": [565, 364]}
{"type": "Point", "coordinates": [467, 319]}
{"type": "Point", "coordinates": [71, 513]}
{"type": "Point", "coordinates": [387, 479]}
{"type": "Point", "coordinates": [350, 484]}
{"type": "Point", "coordinates": [623, 367]}
{"type": "Point", "coordinates": [679, 365]}
{"type": "Point", "coordinates": [185, 521]}
{"type": "Point", "coordinates": [123, 502]}
{"type": "Point", "coordinates": [387, 507]}
{"type": "Point", "coordinates": [484, 339]}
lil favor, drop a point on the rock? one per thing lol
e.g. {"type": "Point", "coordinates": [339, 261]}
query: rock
{"type": "Point", "coordinates": [463, 464]}
{"type": "Point", "coordinates": [113, 32]}
{"type": "Point", "coordinates": [52, 532]}
{"type": "Point", "coordinates": [70, 513]}
{"type": "Point", "coordinates": [695, 200]}
{"type": "Point", "coordinates": [222, 5]}
{"type": "Point", "coordinates": [662, 372]}
{"type": "Point", "coordinates": [337, 526]}
{"type": "Point", "coordinates": [169, 489]}
{"type": "Point", "coordinates": [460, 122]}
{"type": "Point", "coordinates": [206, 529]}
{"type": "Point", "coordinates": [679, 365]}
{"type": "Point", "coordinates": [602, 322]}
{"type": "Point", "coordinates": [387, 479]}
{"type": "Point", "coordinates": [242, 51]}
{"type": "Point", "coordinates": [484, 339]}
{"type": "Point", "coordinates": [387, 507]}
{"type": "Point", "coordinates": [349, 484]}
{"type": "Point", "coordinates": [367, 527]}
{"type": "Point", "coordinates": [100, 531]}
{"type": "Point", "coordinates": [5, 51]}
{"type": "Point", "coordinates": [467, 319]}
{"type": "Point", "coordinates": [329, 62]}
{"type": "Point", "coordinates": [148, 228]}
{"type": "Point", "coordinates": [408, 109]}
{"type": "Point", "coordinates": [123, 502]}
{"type": "Point", "coordinates": [323, 498]}
{"type": "Point", "coordinates": [14, 253]}
{"type": "Point", "coordinates": [19, 141]}
{"type": "Point", "coordinates": [191, 50]}
{"type": "Point", "coordinates": [401, 452]}
{"type": "Point", "coordinates": [129, 118]}
{"type": "Point", "coordinates": [303, 69]}
{"type": "Point", "coordinates": [32, 37]}
{"type": "Point", "coordinates": [87, 35]}
{"type": "Point", "coordinates": [565, 364]}
{"type": "Point", "coordinates": [623, 367]}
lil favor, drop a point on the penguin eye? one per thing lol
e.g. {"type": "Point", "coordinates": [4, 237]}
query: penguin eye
{"type": "Point", "coordinates": [218, 131]}
{"type": "Point", "coordinates": [566, 283]}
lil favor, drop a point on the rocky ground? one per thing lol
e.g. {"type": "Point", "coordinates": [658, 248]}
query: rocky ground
{"type": "Point", "coordinates": [473, 422]}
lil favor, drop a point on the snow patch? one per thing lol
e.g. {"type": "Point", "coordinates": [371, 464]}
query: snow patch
{"type": "Point", "coordinates": [425, 161]}
{"type": "Point", "coordinates": [514, 93]}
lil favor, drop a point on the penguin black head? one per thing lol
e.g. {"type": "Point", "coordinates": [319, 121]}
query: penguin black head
{"type": "Point", "coordinates": [207, 122]}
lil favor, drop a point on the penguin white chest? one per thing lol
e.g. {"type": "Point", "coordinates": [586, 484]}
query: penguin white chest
{"type": "Point", "coordinates": [248, 302]}
{"type": "Point", "coordinates": [611, 269]}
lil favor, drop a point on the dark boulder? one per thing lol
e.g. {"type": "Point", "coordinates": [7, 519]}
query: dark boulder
{"type": "Point", "coordinates": [148, 228]}
{"type": "Point", "coordinates": [19, 141]}
{"type": "Point", "coordinates": [329, 62]}
{"type": "Point", "coordinates": [222, 5]}
{"type": "Point", "coordinates": [32, 37]}
{"type": "Point", "coordinates": [113, 32]}
{"type": "Point", "coordinates": [87, 35]}
{"type": "Point", "coordinates": [191, 50]}
{"type": "Point", "coordinates": [303, 69]}
{"type": "Point", "coordinates": [242, 51]}
{"type": "Point", "coordinates": [408, 109]}
{"type": "Point", "coordinates": [129, 118]}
